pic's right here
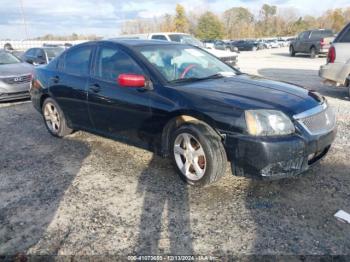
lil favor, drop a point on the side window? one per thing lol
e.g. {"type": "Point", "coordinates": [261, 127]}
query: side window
{"type": "Point", "coordinates": [30, 52]}
{"type": "Point", "coordinates": [112, 62]}
{"type": "Point", "coordinates": [345, 36]}
{"type": "Point", "coordinates": [305, 36]}
{"type": "Point", "coordinates": [159, 37]}
{"type": "Point", "coordinates": [77, 60]}
{"type": "Point", "coordinates": [39, 53]}
{"type": "Point", "coordinates": [316, 34]}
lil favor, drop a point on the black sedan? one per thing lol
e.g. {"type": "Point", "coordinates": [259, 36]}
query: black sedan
{"type": "Point", "coordinates": [182, 102]}
{"type": "Point", "coordinates": [41, 55]}
{"type": "Point", "coordinates": [245, 45]}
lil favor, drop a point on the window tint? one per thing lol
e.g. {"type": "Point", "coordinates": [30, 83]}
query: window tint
{"type": "Point", "coordinates": [316, 34]}
{"type": "Point", "coordinates": [304, 35]}
{"type": "Point", "coordinates": [159, 37]}
{"type": "Point", "coordinates": [40, 53]}
{"type": "Point", "coordinates": [31, 52]}
{"type": "Point", "coordinates": [112, 62]}
{"type": "Point", "coordinates": [345, 36]}
{"type": "Point", "coordinates": [77, 60]}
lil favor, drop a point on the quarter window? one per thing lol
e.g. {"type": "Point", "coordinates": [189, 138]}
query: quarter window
{"type": "Point", "coordinates": [77, 61]}
{"type": "Point", "coordinates": [112, 62]}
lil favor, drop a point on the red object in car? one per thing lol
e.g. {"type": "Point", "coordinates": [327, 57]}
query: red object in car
{"type": "Point", "coordinates": [331, 55]}
{"type": "Point", "coordinates": [131, 80]}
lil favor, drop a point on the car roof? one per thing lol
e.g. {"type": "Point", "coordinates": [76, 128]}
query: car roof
{"type": "Point", "coordinates": [139, 42]}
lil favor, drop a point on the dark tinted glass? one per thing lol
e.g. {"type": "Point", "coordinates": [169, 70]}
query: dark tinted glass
{"type": "Point", "coordinates": [344, 36]}
{"type": "Point", "coordinates": [159, 37]}
{"type": "Point", "coordinates": [31, 52]}
{"type": "Point", "coordinates": [112, 62]}
{"type": "Point", "coordinates": [77, 60]}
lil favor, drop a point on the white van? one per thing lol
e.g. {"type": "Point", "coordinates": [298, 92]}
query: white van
{"type": "Point", "coordinates": [225, 56]}
{"type": "Point", "coordinates": [337, 69]}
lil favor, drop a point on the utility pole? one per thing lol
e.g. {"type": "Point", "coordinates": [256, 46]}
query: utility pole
{"type": "Point", "coordinates": [23, 18]}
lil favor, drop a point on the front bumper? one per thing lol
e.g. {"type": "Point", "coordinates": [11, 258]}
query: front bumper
{"type": "Point", "coordinates": [276, 157]}
{"type": "Point", "coordinates": [14, 91]}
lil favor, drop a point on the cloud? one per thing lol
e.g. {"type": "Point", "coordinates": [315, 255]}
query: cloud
{"type": "Point", "coordinates": [104, 17]}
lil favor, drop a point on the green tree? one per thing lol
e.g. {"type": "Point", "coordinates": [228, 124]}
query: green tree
{"type": "Point", "coordinates": [267, 12]}
{"type": "Point", "coordinates": [209, 27]}
{"type": "Point", "coordinates": [238, 23]}
{"type": "Point", "coordinates": [180, 20]}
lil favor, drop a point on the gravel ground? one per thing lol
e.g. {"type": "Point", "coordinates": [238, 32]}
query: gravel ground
{"type": "Point", "coordinates": [87, 195]}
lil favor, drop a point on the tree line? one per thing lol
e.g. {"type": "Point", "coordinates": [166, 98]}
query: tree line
{"type": "Point", "coordinates": [239, 22]}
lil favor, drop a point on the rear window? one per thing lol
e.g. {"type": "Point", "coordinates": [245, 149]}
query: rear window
{"type": "Point", "coordinates": [344, 36]}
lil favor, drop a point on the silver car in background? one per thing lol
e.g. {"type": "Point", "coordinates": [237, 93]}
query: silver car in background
{"type": "Point", "coordinates": [15, 77]}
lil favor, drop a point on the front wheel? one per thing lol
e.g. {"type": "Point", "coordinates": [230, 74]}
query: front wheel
{"type": "Point", "coordinates": [198, 154]}
{"type": "Point", "coordinates": [54, 119]}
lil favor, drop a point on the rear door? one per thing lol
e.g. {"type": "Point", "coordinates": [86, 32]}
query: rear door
{"type": "Point", "coordinates": [305, 42]}
{"type": "Point", "coordinates": [69, 84]}
{"type": "Point", "coordinates": [116, 110]}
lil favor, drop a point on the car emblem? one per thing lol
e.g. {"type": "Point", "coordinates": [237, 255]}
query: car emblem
{"type": "Point", "coordinates": [17, 79]}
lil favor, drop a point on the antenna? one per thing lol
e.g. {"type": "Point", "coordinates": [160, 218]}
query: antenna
{"type": "Point", "coordinates": [23, 18]}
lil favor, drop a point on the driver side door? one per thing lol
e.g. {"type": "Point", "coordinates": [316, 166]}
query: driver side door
{"type": "Point", "coordinates": [117, 110]}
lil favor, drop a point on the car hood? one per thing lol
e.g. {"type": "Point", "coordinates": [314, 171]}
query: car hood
{"type": "Point", "coordinates": [254, 92]}
{"type": "Point", "coordinates": [15, 69]}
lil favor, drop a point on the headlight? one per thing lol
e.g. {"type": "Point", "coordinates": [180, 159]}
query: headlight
{"type": "Point", "coordinates": [268, 123]}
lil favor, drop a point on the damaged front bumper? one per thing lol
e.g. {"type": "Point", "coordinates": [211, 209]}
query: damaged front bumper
{"type": "Point", "coordinates": [276, 157]}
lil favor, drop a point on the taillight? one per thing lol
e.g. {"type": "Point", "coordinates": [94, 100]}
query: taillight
{"type": "Point", "coordinates": [331, 55]}
{"type": "Point", "coordinates": [322, 43]}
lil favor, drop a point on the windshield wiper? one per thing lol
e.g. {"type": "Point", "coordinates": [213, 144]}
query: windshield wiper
{"type": "Point", "coordinates": [195, 79]}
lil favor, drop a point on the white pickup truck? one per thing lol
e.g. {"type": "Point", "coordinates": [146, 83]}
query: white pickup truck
{"type": "Point", "coordinates": [337, 69]}
{"type": "Point", "coordinates": [225, 56]}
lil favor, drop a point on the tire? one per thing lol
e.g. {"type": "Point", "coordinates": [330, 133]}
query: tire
{"type": "Point", "coordinates": [54, 119]}
{"type": "Point", "coordinates": [8, 47]}
{"type": "Point", "coordinates": [206, 154]}
{"type": "Point", "coordinates": [291, 51]}
{"type": "Point", "coordinates": [313, 52]}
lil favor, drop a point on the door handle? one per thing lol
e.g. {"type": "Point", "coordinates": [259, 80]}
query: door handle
{"type": "Point", "coordinates": [55, 79]}
{"type": "Point", "coordinates": [95, 88]}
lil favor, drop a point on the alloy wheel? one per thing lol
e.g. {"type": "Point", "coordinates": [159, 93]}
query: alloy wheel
{"type": "Point", "coordinates": [190, 156]}
{"type": "Point", "coordinates": [52, 117]}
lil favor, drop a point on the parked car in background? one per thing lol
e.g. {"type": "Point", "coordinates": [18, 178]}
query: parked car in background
{"type": "Point", "coordinates": [337, 69]}
{"type": "Point", "coordinates": [41, 55]}
{"type": "Point", "coordinates": [246, 45]}
{"type": "Point", "coordinates": [219, 45]}
{"type": "Point", "coordinates": [313, 42]}
{"type": "Point", "coordinates": [180, 101]}
{"type": "Point", "coordinates": [225, 56]}
{"type": "Point", "coordinates": [273, 43]}
{"type": "Point", "coordinates": [210, 44]}
{"type": "Point", "coordinates": [15, 77]}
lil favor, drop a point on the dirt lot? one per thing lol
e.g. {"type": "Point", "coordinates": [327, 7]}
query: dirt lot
{"type": "Point", "coordinates": [87, 195]}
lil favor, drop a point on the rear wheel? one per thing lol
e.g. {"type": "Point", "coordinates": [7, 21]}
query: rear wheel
{"type": "Point", "coordinates": [313, 52]}
{"type": "Point", "coordinates": [54, 119]}
{"type": "Point", "coordinates": [291, 51]}
{"type": "Point", "coordinates": [198, 154]}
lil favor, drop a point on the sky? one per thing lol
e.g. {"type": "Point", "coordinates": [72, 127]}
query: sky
{"type": "Point", "coordinates": [105, 17]}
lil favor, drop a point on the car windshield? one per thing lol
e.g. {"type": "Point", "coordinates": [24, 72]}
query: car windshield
{"type": "Point", "coordinates": [185, 39]}
{"type": "Point", "coordinates": [52, 52]}
{"type": "Point", "coordinates": [181, 63]}
{"type": "Point", "coordinates": [7, 58]}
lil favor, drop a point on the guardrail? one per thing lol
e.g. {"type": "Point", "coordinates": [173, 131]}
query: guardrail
{"type": "Point", "coordinates": [26, 44]}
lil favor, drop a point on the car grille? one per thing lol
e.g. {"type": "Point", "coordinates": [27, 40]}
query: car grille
{"type": "Point", "coordinates": [230, 59]}
{"type": "Point", "coordinates": [319, 122]}
{"type": "Point", "coordinates": [17, 79]}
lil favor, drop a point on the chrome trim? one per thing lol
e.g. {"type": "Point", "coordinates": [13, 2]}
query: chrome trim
{"type": "Point", "coordinates": [313, 111]}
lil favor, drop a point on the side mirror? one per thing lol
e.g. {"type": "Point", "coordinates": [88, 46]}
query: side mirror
{"type": "Point", "coordinates": [133, 80]}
